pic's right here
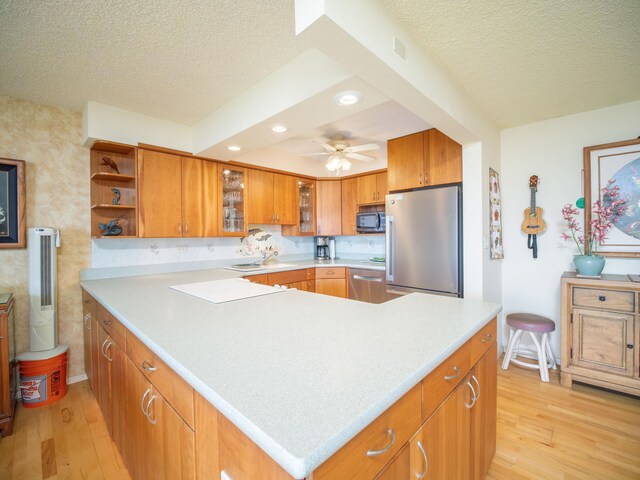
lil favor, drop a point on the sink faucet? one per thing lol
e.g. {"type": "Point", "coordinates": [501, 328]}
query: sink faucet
{"type": "Point", "coordinates": [266, 256]}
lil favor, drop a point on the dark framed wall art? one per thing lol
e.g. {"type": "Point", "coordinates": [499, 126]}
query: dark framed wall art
{"type": "Point", "coordinates": [13, 208]}
{"type": "Point", "coordinates": [619, 161]}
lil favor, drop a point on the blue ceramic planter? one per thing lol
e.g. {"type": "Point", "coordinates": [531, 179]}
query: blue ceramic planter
{"type": "Point", "coordinates": [591, 265]}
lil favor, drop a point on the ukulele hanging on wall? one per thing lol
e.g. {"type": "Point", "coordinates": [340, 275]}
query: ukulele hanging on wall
{"type": "Point", "coordinates": [533, 224]}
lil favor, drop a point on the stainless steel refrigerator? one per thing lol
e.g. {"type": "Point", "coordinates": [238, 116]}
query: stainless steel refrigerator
{"type": "Point", "coordinates": [424, 241]}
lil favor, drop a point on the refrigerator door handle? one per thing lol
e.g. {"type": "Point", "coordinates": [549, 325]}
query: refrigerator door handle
{"type": "Point", "coordinates": [390, 246]}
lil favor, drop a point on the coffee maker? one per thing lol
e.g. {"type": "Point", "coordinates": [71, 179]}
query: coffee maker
{"type": "Point", "coordinates": [322, 248]}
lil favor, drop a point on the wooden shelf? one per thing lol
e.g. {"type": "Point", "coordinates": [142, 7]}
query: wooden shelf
{"type": "Point", "coordinates": [114, 177]}
{"type": "Point", "coordinates": [114, 207]}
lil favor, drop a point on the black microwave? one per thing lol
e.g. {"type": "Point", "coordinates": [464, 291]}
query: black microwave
{"type": "Point", "coordinates": [370, 222]}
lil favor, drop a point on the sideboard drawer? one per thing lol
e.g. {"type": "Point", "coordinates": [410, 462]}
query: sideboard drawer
{"type": "Point", "coordinates": [619, 300]}
{"type": "Point", "coordinates": [366, 454]}
{"type": "Point", "coordinates": [482, 341]}
{"type": "Point", "coordinates": [335, 272]}
{"type": "Point", "coordinates": [111, 325]}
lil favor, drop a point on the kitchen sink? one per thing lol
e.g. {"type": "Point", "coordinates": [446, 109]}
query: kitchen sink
{"type": "Point", "coordinates": [251, 267]}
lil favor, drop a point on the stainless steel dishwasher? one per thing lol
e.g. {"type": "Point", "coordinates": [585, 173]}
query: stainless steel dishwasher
{"type": "Point", "coordinates": [369, 286]}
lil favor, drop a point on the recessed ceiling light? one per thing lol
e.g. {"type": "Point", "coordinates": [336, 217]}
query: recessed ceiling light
{"type": "Point", "coordinates": [233, 148]}
{"type": "Point", "coordinates": [279, 128]}
{"type": "Point", "coordinates": [347, 98]}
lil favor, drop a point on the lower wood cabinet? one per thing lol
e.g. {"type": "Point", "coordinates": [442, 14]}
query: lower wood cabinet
{"type": "Point", "coordinates": [8, 364]}
{"type": "Point", "coordinates": [159, 444]}
{"type": "Point", "coordinates": [164, 430]}
{"type": "Point", "coordinates": [331, 281]}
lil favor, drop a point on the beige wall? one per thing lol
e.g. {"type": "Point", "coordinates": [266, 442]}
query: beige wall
{"type": "Point", "coordinates": [49, 140]}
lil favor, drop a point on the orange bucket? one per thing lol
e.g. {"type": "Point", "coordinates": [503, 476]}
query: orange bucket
{"type": "Point", "coordinates": [43, 381]}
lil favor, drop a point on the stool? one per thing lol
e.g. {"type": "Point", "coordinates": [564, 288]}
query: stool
{"type": "Point", "coordinates": [527, 322]}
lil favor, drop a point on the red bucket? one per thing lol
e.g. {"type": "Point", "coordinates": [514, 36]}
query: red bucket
{"type": "Point", "coordinates": [44, 381]}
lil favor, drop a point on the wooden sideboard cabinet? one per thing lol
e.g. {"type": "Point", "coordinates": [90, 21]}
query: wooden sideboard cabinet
{"type": "Point", "coordinates": [8, 365]}
{"type": "Point", "coordinates": [601, 332]}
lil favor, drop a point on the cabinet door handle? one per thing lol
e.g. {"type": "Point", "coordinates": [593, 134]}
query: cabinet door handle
{"type": "Point", "coordinates": [487, 338]}
{"type": "Point", "coordinates": [102, 348]}
{"type": "Point", "coordinates": [148, 367]}
{"type": "Point", "coordinates": [106, 321]}
{"type": "Point", "coordinates": [423, 474]}
{"type": "Point", "coordinates": [106, 351]}
{"type": "Point", "coordinates": [455, 375]}
{"type": "Point", "coordinates": [630, 346]}
{"type": "Point", "coordinates": [148, 413]}
{"type": "Point", "coordinates": [375, 453]}
{"type": "Point", "coordinates": [87, 325]}
{"type": "Point", "coordinates": [420, 179]}
{"type": "Point", "coordinates": [186, 228]}
{"type": "Point", "coordinates": [475, 379]}
{"type": "Point", "coordinates": [473, 396]}
{"type": "Point", "coordinates": [148, 391]}
{"type": "Point", "coordinates": [179, 228]}
{"type": "Point", "coordinates": [602, 298]}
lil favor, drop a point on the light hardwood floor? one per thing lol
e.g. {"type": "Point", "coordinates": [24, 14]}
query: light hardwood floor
{"type": "Point", "coordinates": [545, 432]}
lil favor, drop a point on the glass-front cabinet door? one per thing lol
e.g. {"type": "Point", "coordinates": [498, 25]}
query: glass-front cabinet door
{"type": "Point", "coordinates": [307, 207]}
{"type": "Point", "coordinates": [233, 202]}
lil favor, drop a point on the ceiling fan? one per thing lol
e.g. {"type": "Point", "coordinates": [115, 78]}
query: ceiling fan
{"type": "Point", "coordinates": [340, 151]}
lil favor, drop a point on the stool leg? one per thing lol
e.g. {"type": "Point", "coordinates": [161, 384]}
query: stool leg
{"type": "Point", "coordinates": [515, 338]}
{"type": "Point", "coordinates": [542, 358]}
{"type": "Point", "coordinates": [549, 352]}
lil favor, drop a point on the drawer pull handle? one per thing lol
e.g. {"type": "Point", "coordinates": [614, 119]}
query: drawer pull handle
{"type": "Point", "coordinates": [456, 375]}
{"type": "Point", "coordinates": [602, 298]}
{"type": "Point", "coordinates": [148, 367]}
{"type": "Point", "coordinates": [630, 346]}
{"type": "Point", "coordinates": [487, 338]}
{"type": "Point", "coordinates": [473, 397]}
{"type": "Point", "coordinates": [423, 474]}
{"type": "Point", "coordinates": [375, 453]}
{"type": "Point", "coordinates": [106, 321]}
{"type": "Point", "coordinates": [475, 379]}
{"type": "Point", "coordinates": [87, 301]}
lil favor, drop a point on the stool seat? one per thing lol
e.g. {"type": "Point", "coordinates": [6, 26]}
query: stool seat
{"type": "Point", "coordinates": [530, 322]}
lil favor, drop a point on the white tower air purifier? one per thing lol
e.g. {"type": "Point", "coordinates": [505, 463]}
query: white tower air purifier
{"type": "Point", "coordinates": [43, 309]}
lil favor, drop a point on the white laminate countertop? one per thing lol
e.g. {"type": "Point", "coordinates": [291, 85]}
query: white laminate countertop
{"type": "Point", "coordinates": [298, 372]}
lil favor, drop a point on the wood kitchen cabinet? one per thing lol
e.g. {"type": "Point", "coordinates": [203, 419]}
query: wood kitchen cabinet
{"type": "Point", "coordinates": [331, 281]}
{"type": "Point", "coordinates": [329, 207]}
{"type": "Point", "coordinates": [483, 414]}
{"type": "Point", "coordinates": [600, 332]}
{"type": "Point", "coordinates": [8, 364]}
{"type": "Point", "coordinates": [89, 339]}
{"type": "Point", "coordinates": [349, 205]}
{"type": "Point", "coordinates": [232, 201]}
{"type": "Point", "coordinates": [305, 224]}
{"type": "Point", "coordinates": [372, 188]}
{"type": "Point", "coordinates": [273, 198]}
{"type": "Point", "coordinates": [423, 159]}
{"type": "Point", "coordinates": [177, 196]}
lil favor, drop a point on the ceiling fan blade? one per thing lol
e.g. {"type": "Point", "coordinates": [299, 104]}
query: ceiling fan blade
{"type": "Point", "coordinates": [359, 156]}
{"type": "Point", "coordinates": [362, 148]}
{"type": "Point", "coordinates": [330, 148]}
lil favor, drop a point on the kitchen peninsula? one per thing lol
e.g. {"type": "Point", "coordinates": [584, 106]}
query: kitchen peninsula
{"type": "Point", "coordinates": [302, 375]}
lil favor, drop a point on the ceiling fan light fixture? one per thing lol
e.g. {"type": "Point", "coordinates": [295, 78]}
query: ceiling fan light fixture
{"type": "Point", "coordinates": [333, 163]}
{"type": "Point", "coordinates": [347, 98]}
{"type": "Point", "coordinates": [345, 164]}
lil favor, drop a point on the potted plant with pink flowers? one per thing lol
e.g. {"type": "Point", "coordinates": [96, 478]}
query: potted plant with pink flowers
{"type": "Point", "coordinates": [605, 213]}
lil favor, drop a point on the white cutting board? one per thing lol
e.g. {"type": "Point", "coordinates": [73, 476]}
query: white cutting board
{"type": "Point", "coordinates": [221, 291]}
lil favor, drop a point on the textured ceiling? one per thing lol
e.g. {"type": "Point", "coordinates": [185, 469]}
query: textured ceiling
{"type": "Point", "coordinates": [172, 59]}
{"type": "Point", "coordinates": [525, 61]}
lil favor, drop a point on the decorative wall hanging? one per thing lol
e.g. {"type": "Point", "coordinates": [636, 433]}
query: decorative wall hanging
{"type": "Point", "coordinates": [619, 161]}
{"type": "Point", "coordinates": [13, 204]}
{"type": "Point", "coordinates": [495, 222]}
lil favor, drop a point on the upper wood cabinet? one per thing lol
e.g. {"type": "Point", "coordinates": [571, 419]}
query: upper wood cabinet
{"type": "Point", "coordinates": [199, 198]}
{"type": "Point", "coordinates": [232, 201]}
{"type": "Point", "coordinates": [273, 198]}
{"type": "Point", "coordinates": [305, 221]}
{"type": "Point", "coordinates": [177, 196]}
{"type": "Point", "coordinates": [329, 207]}
{"type": "Point", "coordinates": [423, 159]}
{"type": "Point", "coordinates": [349, 205]}
{"type": "Point", "coordinates": [372, 188]}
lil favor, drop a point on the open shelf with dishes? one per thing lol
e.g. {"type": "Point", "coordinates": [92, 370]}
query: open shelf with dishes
{"type": "Point", "coordinates": [114, 190]}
